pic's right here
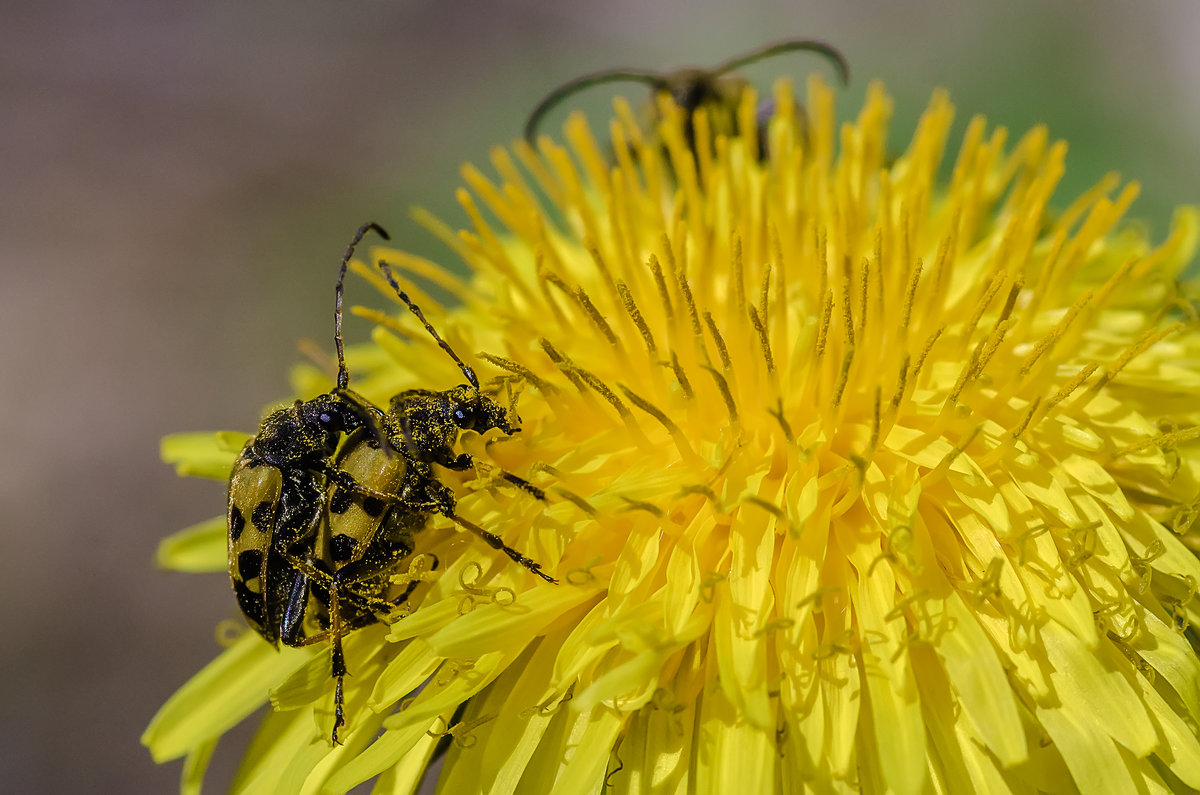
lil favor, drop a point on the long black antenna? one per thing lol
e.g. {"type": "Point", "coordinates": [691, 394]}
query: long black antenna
{"type": "Point", "coordinates": [830, 53]}
{"type": "Point", "coordinates": [660, 81]}
{"type": "Point", "coordinates": [416, 310]}
{"type": "Point", "coordinates": [343, 379]}
{"type": "Point", "coordinates": [577, 84]}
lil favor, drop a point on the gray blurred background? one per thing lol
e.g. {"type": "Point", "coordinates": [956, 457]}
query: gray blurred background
{"type": "Point", "coordinates": [178, 186]}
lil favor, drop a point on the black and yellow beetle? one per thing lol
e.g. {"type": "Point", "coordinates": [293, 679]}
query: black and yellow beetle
{"type": "Point", "coordinates": [716, 90]}
{"type": "Point", "coordinates": [277, 491]}
{"type": "Point", "coordinates": [325, 500]}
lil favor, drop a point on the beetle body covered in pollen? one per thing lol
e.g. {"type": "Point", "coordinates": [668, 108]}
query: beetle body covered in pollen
{"type": "Point", "coordinates": [424, 425]}
{"type": "Point", "coordinates": [277, 493]}
{"type": "Point", "coordinates": [276, 501]}
{"type": "Point", "coordinates": [325, 501]}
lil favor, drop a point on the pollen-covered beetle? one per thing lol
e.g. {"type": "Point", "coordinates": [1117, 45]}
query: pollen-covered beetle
{"type": "Point", "coordinates": [278, 484]}
{"type": "Point", "coordinates": [425, 424]}
{"type": "Point", "coordinates": [693, 88]}
{"type": "Point", "coordinates": [325, 500]}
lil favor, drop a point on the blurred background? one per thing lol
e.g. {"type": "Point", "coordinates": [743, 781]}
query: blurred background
{"type": "Point", "coordinates": [178, 184]}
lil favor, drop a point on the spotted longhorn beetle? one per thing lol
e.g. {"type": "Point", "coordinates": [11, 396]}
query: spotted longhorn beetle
{"type": "Point", "coordinates": [277, 491]}
{"type": "Point", "coordinates": [325, 500]}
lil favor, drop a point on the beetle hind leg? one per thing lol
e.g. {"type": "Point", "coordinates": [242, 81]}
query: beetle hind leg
{"type": "Point", "coordinates": [337, 663]}
{"type": "Point", "coordinates": [334, 633]}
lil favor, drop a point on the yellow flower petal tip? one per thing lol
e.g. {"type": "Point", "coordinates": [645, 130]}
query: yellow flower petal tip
{"type": "Point", "coordinates": [856, 479]}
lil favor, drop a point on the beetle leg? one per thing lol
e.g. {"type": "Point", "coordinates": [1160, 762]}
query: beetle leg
{"type": "Point", "coordinates": [335, 632]}
{"type": "Point", "coordinates": [495, 542]}
{"type": "Point", "coordinates": [337, 661]}
{"type": "Point", "coordinates": [333, 582]}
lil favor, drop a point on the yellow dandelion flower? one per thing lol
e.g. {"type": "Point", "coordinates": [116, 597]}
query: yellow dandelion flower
{"type": "Point", "coordinates": [856, 480]}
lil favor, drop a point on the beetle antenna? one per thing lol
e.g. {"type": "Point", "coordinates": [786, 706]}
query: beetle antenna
{"type": "Point", "coordinates": [416, 310]}
{"type": "Point", "coordinates": [831, 54]}
{"type": "Point", "coordinates": [343, 378]}
{"type": "Point", "coordinates": [575, 85]}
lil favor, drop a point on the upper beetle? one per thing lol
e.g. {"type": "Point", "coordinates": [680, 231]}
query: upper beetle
{"type": "Point", "coordinates": [716, 90]}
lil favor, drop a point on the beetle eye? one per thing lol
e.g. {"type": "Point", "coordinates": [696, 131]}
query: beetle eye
{"type": "Point", "coordinates": [325, 419]}
{"type": "Point", "coordinates": [463, 417]}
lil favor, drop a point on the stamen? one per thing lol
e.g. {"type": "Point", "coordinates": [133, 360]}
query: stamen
{"type": "Point", "coordinates": [1055, 334]}
{"type": "Point", "coordinates": [843, 375]}
{"type": "Point", "coordinates": [594, 315]}
{"type": "Point", "coordinates": [1071, 386]}
{"type": "Point", "coordinates": [681, 443]}
{"type": "Point", "coordinates": [1163, 441]}
{"type": "Point", "coordinates": [776, 411]}
{"type": "Point", "coordinates": [602, 389]}
{"type": "Point", "coordinates": [726, 395]}
{"type": "Point", "coordinates": [563, 364]}
{"type": "Point", "coordinates": [901, 381]}
{"type": "Point", "coordinates": [763, 341]}
{"type": "Point", "coordinates": [664, 295]}
{"type": "Point", "coordinates": [847, 310]}
{"type": "Point", "coordinates": [685, 287]}
{"type": "Point", "coordinates": [826, 320]}
{"type": "Point", "coordinates": [1020, 427]}
{"type": "Point", "coordinates": [876, 421]}
{"type": "Point", "coordinates": [681, 376]}
{"type": "Point", "coordinates": [943, 466]}
{"type": "Point", "coordinates": [1148, 339]}
{"type": "Point", "coordinates": [929, 343]}
{"type": "Point", "coordinates": [545, 278]}
{"type": "Point", "coordinates": [718, 340]}
{"type": "Point", "coordinates": [526, 374]}
{"type": "Point", "coordinates": [635, 315]}
{"type": "Point", "coordinates": [575, 499]}
{"type": "Point", "coordinates": [863, 283]}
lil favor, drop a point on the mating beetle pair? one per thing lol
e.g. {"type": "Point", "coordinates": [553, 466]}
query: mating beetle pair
{"type": "Point", "coordinates": [325, 500]}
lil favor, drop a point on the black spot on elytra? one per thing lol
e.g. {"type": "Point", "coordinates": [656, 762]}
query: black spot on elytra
{"type": "Point", "coordinates": [340, 503]}
{"type": "Point", "coordinates": [342, 547]}
{"type": "Point", "coordinates": [237, 523]}
{"type": "Point", "coordinates": [373, 506]}
{"type": "Point", "coordinates": [263, 515]}
{"type": "Point", "coordinates": [251, 603]}
{"type": "Point", "coordinates": [249, 563]}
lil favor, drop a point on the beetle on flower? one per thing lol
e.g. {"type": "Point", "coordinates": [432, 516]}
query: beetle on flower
{"type": "Point", "coordinates": [854, 480]}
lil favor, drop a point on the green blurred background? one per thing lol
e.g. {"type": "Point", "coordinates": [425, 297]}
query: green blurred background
{"type": "Point", "coordinates": [179, 184]}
